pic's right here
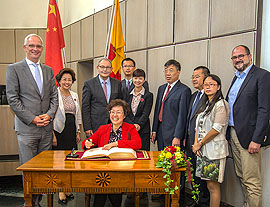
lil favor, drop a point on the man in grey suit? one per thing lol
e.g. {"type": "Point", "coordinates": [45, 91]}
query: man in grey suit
{"type": "Point", "coordinates": [97, 93]}
{"type": "Point", "coordinates": [32, 95]}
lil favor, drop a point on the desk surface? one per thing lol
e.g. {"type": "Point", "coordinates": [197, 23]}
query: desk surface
{"type": "Point", "coordinates": [49, 173]}
{"type": "Point", "coordinates": [54, 161]}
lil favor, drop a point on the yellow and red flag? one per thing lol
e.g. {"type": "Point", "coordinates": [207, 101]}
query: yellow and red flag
{"type": "Point", "coordinates": [54, 39]}
{"type": "Point", "coordinates": [117, 44]}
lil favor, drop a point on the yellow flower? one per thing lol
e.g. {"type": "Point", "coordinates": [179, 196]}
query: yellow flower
{"type": "Point", "coordinates": [178, 155]}
{"type": "Point", "coordinates": [168, 155]}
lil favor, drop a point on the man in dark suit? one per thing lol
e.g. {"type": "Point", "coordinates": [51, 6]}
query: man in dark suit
{"type": "Point", "coordinates": [171, 108]}
{"type": "Point", "coordinates": [196, 100]}
{"type": "Point", "coordinates": [97, 93]}
{"type": "Point", "coordinates": [128, 66]}
{"type": "Point", "coordinates": [32, 95]}
{"type": "Point", "coordinates": [249, 102]}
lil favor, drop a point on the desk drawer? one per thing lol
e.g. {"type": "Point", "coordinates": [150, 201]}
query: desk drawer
{"type": "Point", "coordinates": [149, 180]}
{"type": "Point", "coordinates": [51, 179]}
{"type": "Point", "coordinates": [103, 179]}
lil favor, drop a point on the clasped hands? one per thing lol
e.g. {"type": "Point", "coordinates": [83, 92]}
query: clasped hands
{"type": "Point", "coordinates": [196, 147]}
{"type": "Point", "coordinates": [41, 120]}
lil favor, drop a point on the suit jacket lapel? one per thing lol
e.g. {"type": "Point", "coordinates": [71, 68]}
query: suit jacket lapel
{"type": "Point", "coordinates": [100, 89]}
{"type": "Point", "coordinates": [175, 87]}
{"type": "Point", "coordinates": [193, 96]}
{"type": "Point", "coordinates": [140, 106]}
{"type": "Point", "coordinates": [249, 75]}
{"type": "Point", "coordinates": [30, 76]}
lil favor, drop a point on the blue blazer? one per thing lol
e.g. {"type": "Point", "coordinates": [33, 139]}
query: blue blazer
{"type": "Point", "coordinates": [251, 110]}
{"type": "Point", "coordinates": [175, 110]}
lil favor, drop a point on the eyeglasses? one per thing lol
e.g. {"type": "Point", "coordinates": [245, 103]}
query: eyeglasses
{"type": "Point", "coordinates": [116, 112]}
{"type": "Point", "coordinates": [32, 46]}
{"type": "Point", "coordinates": [240, 57]}
{"type": "Point", "coordinates": [195, 76]}
{"type": "Point", "coordinates": [102, 67]}
{"type": "Point", "coordinates": [128, 66]}
{"type": "Point", "coordinates": [168, 70]}
{"type": "Point", "coordinates": [211, 85]}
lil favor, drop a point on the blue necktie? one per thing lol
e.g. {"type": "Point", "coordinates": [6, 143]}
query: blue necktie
{"type": "Point", "coordinates": [38, 78]}
{"type": "Point", "coordinates": [194, 107]}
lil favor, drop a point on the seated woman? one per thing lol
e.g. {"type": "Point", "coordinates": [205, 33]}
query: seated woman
{"type": "Point", "coordinates": [210, 144]}
{"type": "Point", "coordinates": [117, 134]}
{"type": "Point", "coordinates": [140, 104]}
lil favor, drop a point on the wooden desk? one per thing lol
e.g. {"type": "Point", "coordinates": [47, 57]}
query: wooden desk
{"type": "Point", "coordinates": [48, 173]}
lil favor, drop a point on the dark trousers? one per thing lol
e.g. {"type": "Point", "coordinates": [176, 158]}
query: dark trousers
{"type": "Point", "coordinates": [204, 195]}
{"type": "Point", "coordinates": [100, 199]}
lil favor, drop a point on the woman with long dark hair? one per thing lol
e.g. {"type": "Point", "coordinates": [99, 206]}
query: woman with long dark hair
{"type": "Point", "coordinates": [210, 144]}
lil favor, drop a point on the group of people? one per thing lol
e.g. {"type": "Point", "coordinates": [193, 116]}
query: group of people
{"type": "Point", "coordinates": [116, 114]}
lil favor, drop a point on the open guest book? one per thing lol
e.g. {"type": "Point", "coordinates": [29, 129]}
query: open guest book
{"type": "Point", "coordinates": [113, 153]}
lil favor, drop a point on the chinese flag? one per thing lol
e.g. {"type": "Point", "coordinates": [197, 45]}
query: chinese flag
{"type": "Point", "coordinates": [116, 50]}
{"type": "Point", "coordinates": [54, 39]}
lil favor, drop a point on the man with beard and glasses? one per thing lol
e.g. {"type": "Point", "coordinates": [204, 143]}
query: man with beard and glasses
{"type": "Point", "coordinates": [248, 130]}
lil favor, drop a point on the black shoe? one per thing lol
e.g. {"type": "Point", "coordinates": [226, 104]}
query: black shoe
{"type": "Point", "coordinates": [70, 196]}
{"type": "Point", "coordinates": [62, 202]}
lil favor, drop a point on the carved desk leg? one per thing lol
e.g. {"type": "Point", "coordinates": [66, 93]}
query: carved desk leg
{"type": "Point", "coordinates": [27, 183]}
{"type": "Point", "coordinates": [87, 199]}
{"type": "Point", "coordinates": [137, 204]}
{"type": "Point", "coordinates": [167, 200]}
{"type": "Point", "coordinates": [175, 199]}
{"type": "Point", "coordinates": [49, 200]}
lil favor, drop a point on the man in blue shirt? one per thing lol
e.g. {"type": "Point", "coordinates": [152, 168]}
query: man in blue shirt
{"type": "Point", "coordinates": [248, 130]}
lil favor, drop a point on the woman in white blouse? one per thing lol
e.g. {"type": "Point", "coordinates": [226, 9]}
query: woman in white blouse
{"type": "Point", "coordinates": [67, 121]}
{"type": "Point", "coordinates": [210, 143]}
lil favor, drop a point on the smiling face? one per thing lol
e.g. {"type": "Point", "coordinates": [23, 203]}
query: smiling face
{"type": "Point", "coordinates": [138, 81]}
{"type": "Point", "coordinates": [33, 48]}
{"type": "Point", "coordinates": [117, 115]}
{"type": "Point", "coordinates": [171, 74]}
{"type": "Point", "coordinates": [104, 69]}
{"type": "Point", "coordinates": [210, 87]}
{"type": "Point", "coordinates": [240, 59]}
{"type": "Point", "coordinates": [66, 81]}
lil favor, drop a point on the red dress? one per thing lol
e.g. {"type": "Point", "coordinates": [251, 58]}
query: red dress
{"type": "Point", "coordinates": [130, 137]}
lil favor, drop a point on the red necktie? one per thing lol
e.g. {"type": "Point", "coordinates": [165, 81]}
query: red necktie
{"type": "Point", "coordinates": [161, 108]}
{"type": "Point", "coordinates": [105, 89]}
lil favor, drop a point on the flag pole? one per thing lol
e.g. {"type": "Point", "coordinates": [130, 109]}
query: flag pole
{"type": "Point", "coordinates": [64, 56]}
{"type": "Point", "coordinates": [109, 30]}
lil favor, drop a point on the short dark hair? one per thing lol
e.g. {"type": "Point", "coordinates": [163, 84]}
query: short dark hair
{"type": "Point", "coordinates": [118, 102]}
{"type": "Point", "coordinates": [64, 71]}
{"type": "Point", "coordinates": [245, 47]}
{"type": "Point", "coordinates": [128, 59]}
{"type": "Point", "coordinates": [139, 73]}
{"type": "Point", "coordinates": [173, 62]}
{"type": "Point", "coordinates": [205, 70]}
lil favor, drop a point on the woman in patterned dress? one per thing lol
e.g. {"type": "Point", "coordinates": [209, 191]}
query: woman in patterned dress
{"type": "Point", "coordinates": [210, 144]}
{"type": "Point", "coordinates": [67, 121]}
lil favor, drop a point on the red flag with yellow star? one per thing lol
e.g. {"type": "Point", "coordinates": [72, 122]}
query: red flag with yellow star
{"type": "Point", "coordinates": [116, 50]}
{"type": "Point", "coordinates": [54, 39]}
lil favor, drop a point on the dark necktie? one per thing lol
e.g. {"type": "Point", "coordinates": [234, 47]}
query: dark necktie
{"type": "Point", "coordinates": [128, 85]}
{"type": "Point", "coordinates": [194, 107]}
{"type": "Point", "coordinates": [105, 89]}
{"type": "Point", "coordinates": [161, 108]}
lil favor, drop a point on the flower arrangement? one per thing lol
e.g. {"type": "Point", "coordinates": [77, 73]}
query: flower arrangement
{"type": "Point", "coordinates": [170, 159]}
